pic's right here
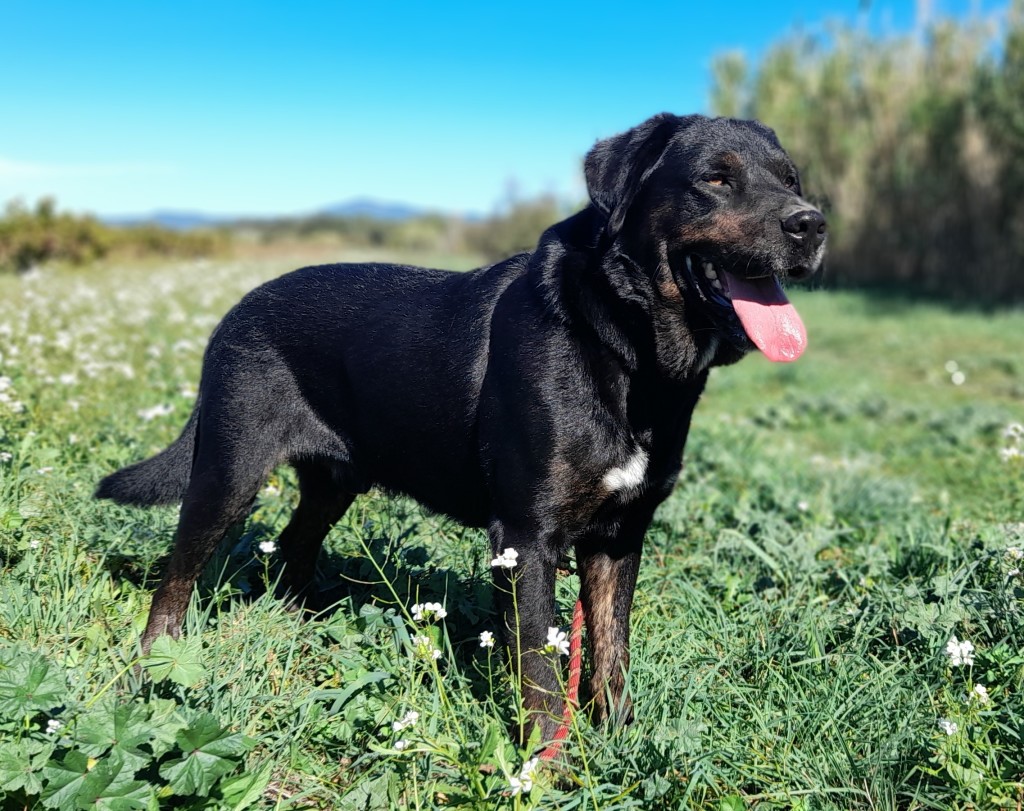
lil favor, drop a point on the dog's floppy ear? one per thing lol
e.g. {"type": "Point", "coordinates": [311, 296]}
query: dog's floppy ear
{"type": "Point", "coordinates": [617, 167]}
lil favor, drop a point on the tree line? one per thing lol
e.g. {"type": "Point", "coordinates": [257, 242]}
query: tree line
{"type": "Point", "coordinates": [914, 144]}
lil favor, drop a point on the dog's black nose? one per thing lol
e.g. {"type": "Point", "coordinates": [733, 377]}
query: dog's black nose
{"type": "Point", "coordinates": [806, 227]}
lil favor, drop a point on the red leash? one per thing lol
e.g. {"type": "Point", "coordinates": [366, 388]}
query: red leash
{"type": "Point", "coordinates": [572, 689]}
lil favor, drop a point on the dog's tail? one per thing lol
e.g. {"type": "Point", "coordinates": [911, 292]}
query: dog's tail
{"type": "Point", "coordinates": [161, 479]}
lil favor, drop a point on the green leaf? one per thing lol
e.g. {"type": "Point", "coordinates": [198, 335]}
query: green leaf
{"type": "Point", "coordinates": [64, 780]}
{"type": "Point", "coordinates": [342, 695]}
{"type": "Point", "coordinates": [165, 722]}
{"type": "Point", "coordinates": [111, 785]}
{"type": "Point", "coordinates": [369, 795]}
{"type": "Point", "coordinates": [210, 753]}
{"type": "Point", "coordinates": [964, 775]}
{"type": "Point", "coordinates": [732, 803]}
{"type": "Point", "coordinates": [21, 765]}
{"type": "Point", "coordinates": [245, 789]}
{"type": "Point", "coordinates": [29, 683]}
{"type": "Point", "coordinates": [493, 736]}
{"type": "Point", "coordinates": [176, 660]}
{"type": "Point", "coordinates": [118, 728]}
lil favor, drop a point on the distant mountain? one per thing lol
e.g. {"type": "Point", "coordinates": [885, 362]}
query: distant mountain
{"type": "Point", "coordinates": [187, 220]}
{"type": "Point", "coordinates": [174, 220]}
{"type": "Point", "coordinates": [377, 209]}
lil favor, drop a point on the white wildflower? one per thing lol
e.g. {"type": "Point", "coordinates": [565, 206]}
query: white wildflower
{"type": "Point", "coordinates": [400, 745]}
{"type": "Point", "coordinates": [952, 366]}
{"type": "Point", "coordinates": [53, 725]}
{"type": "Point", "coordinates": [486, 639]}
{"type": "Point", "coordinates": [980, 693]}
{"type": "Point", "coordinates": [1012, 452]}
{"type": "Point", "coordinates": [68, 379]}
{"type": "Point", "coordinates": [960, 653]}
{"type": "Point", "coordinates": [425, 611]}
{"type": "Point", "coordinates": [949, 727]}
{"type": "Point", "coordinates": [1014, 431]}
{"type": "Point", "coordinates": [523, 782]}
{"type": "Point", "coordinates": [438, 610]}
{"type": "Point", "coordinates": [407, 721]}
{"type": "Point", "coordinates": [149, 414]}
{"type": "Point", "coordinates": [558, 642]}
{"type": "Point", "coordinates": [425, 647]}
{"type": "Point", "coordinates": [1014, 553]}
{"type": "Point", "coordinates": [507, 559]}
{"type": "Point", "coordinates": [6, 456]}
{"type": "Point", "coordinates": [958, 378]}
{"type": "Point", "coordinates": [268, 547]}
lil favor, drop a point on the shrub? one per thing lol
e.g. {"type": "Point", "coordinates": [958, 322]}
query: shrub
{"type": "Point", "coordinates": [30, 237]}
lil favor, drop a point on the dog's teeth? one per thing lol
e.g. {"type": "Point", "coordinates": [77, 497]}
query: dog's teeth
{"type": "Point", "coordinates": [716, 284]}
{"type": "Point", "coordinates": [709, 271]}
{"type": "Point", "coordinates": [689, 264]}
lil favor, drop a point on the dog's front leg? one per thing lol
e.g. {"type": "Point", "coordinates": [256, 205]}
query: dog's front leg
{"type": "Point", "coordinates": [526, 601]}
{"type": "Point", "coordinates": [608, 570]}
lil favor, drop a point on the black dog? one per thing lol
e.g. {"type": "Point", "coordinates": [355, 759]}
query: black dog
{"type": "Point", "coordinates": [547, 397]}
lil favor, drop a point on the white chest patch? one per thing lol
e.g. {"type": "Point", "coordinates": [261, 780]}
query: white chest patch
{"type": "Point", "coordinates": [629, 476]}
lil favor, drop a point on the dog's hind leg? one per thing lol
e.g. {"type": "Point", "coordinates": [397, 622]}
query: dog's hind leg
{"type": "Point", "coordinates": [209, 510]}
{"type": "Point", "coordinates": [229, 468]}
{"type": "Point", "coordinates": [322, 502]}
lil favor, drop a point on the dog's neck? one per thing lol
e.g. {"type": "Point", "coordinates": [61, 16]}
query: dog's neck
{"type": "Point", "coordinates": [625, 298]}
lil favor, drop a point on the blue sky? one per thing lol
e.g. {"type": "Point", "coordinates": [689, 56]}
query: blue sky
{"type": "Point", "coordinates": [258, 108]}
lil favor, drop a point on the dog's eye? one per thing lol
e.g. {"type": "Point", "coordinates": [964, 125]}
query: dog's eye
{"type": "Point", "coordinates": [790, 181]}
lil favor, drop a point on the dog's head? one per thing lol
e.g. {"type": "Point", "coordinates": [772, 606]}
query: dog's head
{"type": "Point", "coordinates": [713, 207]}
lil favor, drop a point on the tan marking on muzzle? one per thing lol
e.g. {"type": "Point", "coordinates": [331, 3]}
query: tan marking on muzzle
{"type": "Point", "coordinates": [723, 228]}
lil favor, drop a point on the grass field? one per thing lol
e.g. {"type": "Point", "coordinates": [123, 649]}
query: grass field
{"type": "Point", "coordinates": [839, 522]}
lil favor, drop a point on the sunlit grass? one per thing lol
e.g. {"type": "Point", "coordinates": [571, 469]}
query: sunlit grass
{"type": "Point", "coordinates": [838, 521]}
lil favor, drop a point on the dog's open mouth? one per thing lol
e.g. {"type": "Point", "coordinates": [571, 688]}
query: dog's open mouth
{"type": "Point", "coordinates": [769, 321]}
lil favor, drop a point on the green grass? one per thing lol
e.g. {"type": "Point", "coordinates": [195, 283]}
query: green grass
{"type": "Point", "coordinates": [838, 521]}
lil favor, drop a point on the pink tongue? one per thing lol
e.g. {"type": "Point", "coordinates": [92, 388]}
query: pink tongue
{"type": "Point", "coordinates": [768, 318]}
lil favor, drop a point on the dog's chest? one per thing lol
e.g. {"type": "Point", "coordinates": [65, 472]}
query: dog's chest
{"type": "Point", "coordinates": [592, 498]}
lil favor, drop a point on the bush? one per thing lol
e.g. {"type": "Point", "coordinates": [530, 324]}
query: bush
{"type": "Point", "coordinates": [30, 237]}
{"type": "Point", "coordinates": [517, 230]}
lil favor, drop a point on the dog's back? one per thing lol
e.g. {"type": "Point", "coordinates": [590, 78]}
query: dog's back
{"type": "Point", "coordinates": [377, 367]}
